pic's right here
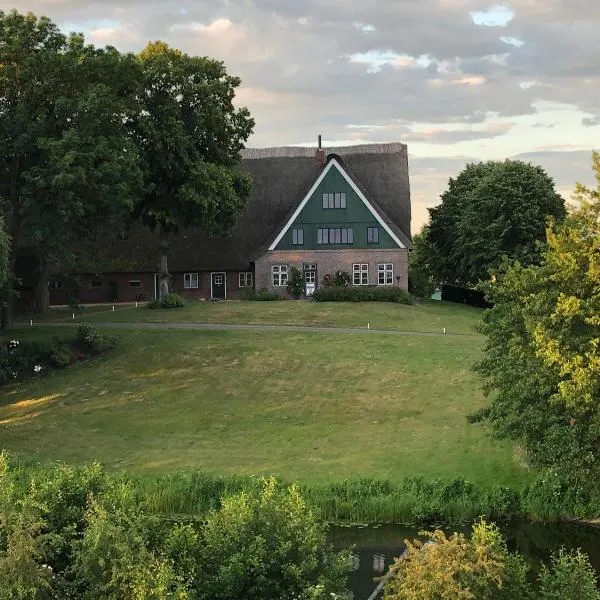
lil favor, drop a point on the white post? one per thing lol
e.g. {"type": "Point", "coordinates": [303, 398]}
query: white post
{"type": "Point", "coordinates": [136, 303]}
{"type": "Point", "coordinates": [73, 316]}
{"type": "Point", "coordinates": [444, 331]}
{"type": "Point", "coordinates": [368, 325]}
{"type": "Point", "coordinates": [31, 322]}
{"type": "Point", "coordinates": [113, 308]}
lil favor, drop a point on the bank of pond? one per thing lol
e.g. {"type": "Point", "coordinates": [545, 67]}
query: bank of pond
{"type": "Point", "coordinates": [83, 532]}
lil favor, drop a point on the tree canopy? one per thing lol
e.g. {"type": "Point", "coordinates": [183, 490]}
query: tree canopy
{"type": "Point", "coordinates": [542, 359]}
{"type": "Point", "coordinates": [189, 135]}
{"type": "Point", "coordinates": [67, 161]}
{"type": "Point", "coordinates": [491, 211]}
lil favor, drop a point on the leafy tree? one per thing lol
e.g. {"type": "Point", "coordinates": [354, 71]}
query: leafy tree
{"type": "Point", "coordinates": [189, 135]}
{"type": "Point", "coordinates": [491, 211]}
{"type": "Point", "coordinates": [296, 283]}
{"type": "Point", "coordinates": [542, 359]}
{"type": "Point", "coordinates": [268, 546]}
{"type": "Point", "coordinates": [420, 261]}
{"type": "Point", "coordinates": [66, 161]}
{"type": "Point", "coordinates": [4, 251]}
{"type": "Point", "coordinates": [458, 568]}
{"type": "Point", "coordinates": [570, 575]}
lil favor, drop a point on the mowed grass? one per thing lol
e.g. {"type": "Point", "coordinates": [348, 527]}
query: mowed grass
{"type": "Point", "coordinates": [428, 316]}
{"type": "Point", "coordinates": [310, 406]}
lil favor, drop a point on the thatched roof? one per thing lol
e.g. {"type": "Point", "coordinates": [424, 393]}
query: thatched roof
{"type": "Point", "coordinates": [281, 178]}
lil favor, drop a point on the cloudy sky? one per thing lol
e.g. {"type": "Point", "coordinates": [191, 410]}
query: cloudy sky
{"type": "Point", "coordinates": [457, 80]}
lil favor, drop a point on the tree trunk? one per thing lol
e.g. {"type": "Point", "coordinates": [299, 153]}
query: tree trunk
{"type": "Point", "coordinates": [163, 277]}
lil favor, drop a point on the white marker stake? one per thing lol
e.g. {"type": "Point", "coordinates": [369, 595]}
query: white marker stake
{"type": "Point", "coordinates": [444, 331]}
{"type": "Point", "coordinates": [136, 304]}
{"type": "Point", "coordinates": [31, 322]}
{"type": "Point", "coordinates": [73, 316]}
{"type": "Point", "coordinates": [368, 325]}
{"type": "Point", "coordinates": [113, 308]}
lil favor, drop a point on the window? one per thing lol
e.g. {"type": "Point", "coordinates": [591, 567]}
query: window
{"type": "Point", "coordinates": [280, 275]}
{"type": "Point", "coordinates": [360, 274]}
{"type": "Point", "coordinates": [373, 235]}
{"type": "Point", "coordinates": [297, 237]}
{"type": "Point", "coordinates": [96, 283]}
{"type": "Point", "coordinates": [190, 281]}
{"type": "Point", "coordinates": [56, 284]}
{"type": "Point", "coordinates": [335, 236]}
{"type": "Point", "coordinates": [385, 274]}
{"type": "Point", "coordinates": [310, 277]}
{"type": "Point", "coordinates": [135, 283]}
{"type": "Point", "coordinates": [246, 279]}
{"type": "Point", "coordinates": [337, 200]}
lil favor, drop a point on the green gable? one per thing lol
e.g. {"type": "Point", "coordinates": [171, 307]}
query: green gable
{"type": "Point", "coordinates": [314, 217]}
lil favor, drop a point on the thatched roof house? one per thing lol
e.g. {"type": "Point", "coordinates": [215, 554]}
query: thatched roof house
{"type": "Point", "coordinates": [282, 177]}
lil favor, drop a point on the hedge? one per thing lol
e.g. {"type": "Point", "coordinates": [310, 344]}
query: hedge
{"type": "Point", "coordinates": [362, 294]}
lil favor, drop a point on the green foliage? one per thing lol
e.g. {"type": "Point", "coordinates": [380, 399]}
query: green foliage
{"type": "Point", "coordinates": [458, 567]}
{"type": "Point", "coordinates": [421, 266]}
{"type": "Point", "coordinates": [4, 252]}
{"type": "Point", "coordinates": [262, 295]}
{"type": "Point", "coordinates": [296, 283]}
{"type": "Point", "coordinates": [362, 294]}
{"type": "Point", "coordinates": [491, 211]}
{"type": "Point", "coordinates": [338, 279]}
{"type": "Point", "coordinates": [67, 162]}
{"type": "Point", "coordinates": [189, 135]}
{"type": "Point", "coordinates": [255, 536]}
{"type": "Point", "coordinates": [542, 359]}
{"type": "Point", "coordinates": [84, 533]}
{"type": "Point", "coordinates": [169, 301]}
{"type": "Point", "coordinates": [570, 576]}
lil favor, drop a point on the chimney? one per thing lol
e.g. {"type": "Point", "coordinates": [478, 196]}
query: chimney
{"type": "Point", "coordinates": [320, 154]}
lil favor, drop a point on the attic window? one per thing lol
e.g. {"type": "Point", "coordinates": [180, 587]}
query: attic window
{"type": "Point", "coordinates": [335, 236]}
{"type": "Point", "coordinates": [373, 235]}
{"type": "Point", "coordinates": [297, 237]}
{"type": "Point", "coordinates": [337, 200]}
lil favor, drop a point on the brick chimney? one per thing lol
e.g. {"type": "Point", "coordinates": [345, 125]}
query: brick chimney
{"type": "Point", "coordinates": [320, 154]}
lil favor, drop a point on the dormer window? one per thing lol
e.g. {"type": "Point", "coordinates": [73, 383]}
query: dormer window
{"type": "Point", "coordinates": [336, 200]}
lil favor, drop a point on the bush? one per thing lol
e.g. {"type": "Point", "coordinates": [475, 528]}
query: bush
{"type": "Point", "coordinates": [261, 296]}
{"type": "Point", "coordinates": [479, 567]}
{"type": "Point", "coordinates": [172, 301]}
{"type": "Point", "coordinates": [570, 576]}
{"type": "Point", "coordinates": [296, 283]}
{"type": "Point", "coordinates": [362, 294]}
{"type": "Point", "coordinates": [337, 279]}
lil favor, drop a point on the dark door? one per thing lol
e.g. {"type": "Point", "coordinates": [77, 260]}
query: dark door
{"type": "Point", "coordinates": [218, 285]}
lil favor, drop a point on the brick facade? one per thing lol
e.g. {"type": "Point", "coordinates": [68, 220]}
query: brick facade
{"type": "Point", "coordinates": [329, 261]}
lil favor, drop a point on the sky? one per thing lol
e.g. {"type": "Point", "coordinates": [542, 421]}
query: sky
{"type": "Point", "coordinates": [457, 80]}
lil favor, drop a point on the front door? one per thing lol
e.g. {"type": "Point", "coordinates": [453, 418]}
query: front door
{"type": "Point", "coordinates": [310, 279]}
{"type": "Point", "coordinates": [218, 287]}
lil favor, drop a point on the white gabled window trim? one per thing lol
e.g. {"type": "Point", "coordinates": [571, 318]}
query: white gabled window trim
{"type": "Point", "coordinates": [334, 163]}
{"type": "Point", "coordinates": [279, 274]}
{"type": "Point", "coordinates": [190, 281]}
{"type": "Point", "coordinates": [385, 274]}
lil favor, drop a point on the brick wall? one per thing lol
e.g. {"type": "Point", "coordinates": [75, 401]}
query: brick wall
{"type": "Point", "coordinates": [329, 261]}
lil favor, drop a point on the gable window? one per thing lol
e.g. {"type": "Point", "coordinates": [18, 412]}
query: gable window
{"type": "Point", "coordinates": [335, 235]}
{"type": "Point", "coordinates": [360, 274]}
{"type": "Point", "coordinates": [190, 281]}
{"type": "Point", "coordinates": [373, 235]}
{"type": "Point", "coordinates": [280, 275]}
{"type": "Point", "coordinates": [135, 283]}
{"type": "Point", "coordinates": [385, 274]}
{"type": "Point", "coordinates": [337, 200]}
{"type": "Point", "coordinates": [246, 279]}
{"type": "Point", "coordinates": [297, 237]}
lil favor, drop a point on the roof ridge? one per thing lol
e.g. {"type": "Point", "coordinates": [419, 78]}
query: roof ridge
{"type": "Point", "coordinates": [309, 152]}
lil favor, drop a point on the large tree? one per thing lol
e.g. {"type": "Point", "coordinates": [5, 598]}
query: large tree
{"type": "Point", "coordinates": [491, 211]}
{"type": "Point", "coordinates": [67, 162]}
{"type": "Point", "coordinates": [542, 359]}
{"type": "Point", "coordinates": [190, 135]}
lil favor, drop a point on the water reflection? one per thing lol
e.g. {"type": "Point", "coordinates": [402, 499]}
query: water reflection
{"type": "Point", "coordinates": [375, 548]}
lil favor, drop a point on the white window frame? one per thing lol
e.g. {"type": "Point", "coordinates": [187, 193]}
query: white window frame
{"type": "Point", "coordinates": [190, 281]}
{"type": "Point", "coordinates": [360, 274]}
{"type": "Point", "coordinates": [246, 279]}
{"type": "Point", "coordinates": [334, 200]}
{"type": "Point", "coordinates": [279, 275]}
{"type": "Point", "coordinates": [385, 271]}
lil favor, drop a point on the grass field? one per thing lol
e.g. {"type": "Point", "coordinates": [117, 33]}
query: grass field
{"type": "Point", "coordinates": [429, 316]}
{"type": "Point", "coordinates": [311, 406]}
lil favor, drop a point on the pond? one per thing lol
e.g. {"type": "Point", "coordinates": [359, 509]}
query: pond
{"type": "Point", "coordinates": [375, 547]}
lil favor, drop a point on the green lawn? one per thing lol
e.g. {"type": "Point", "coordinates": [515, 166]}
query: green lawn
{"type": "Point", "coordinates": [310, 406]}
{"type": "Point", "coordinates": [430, 316]}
